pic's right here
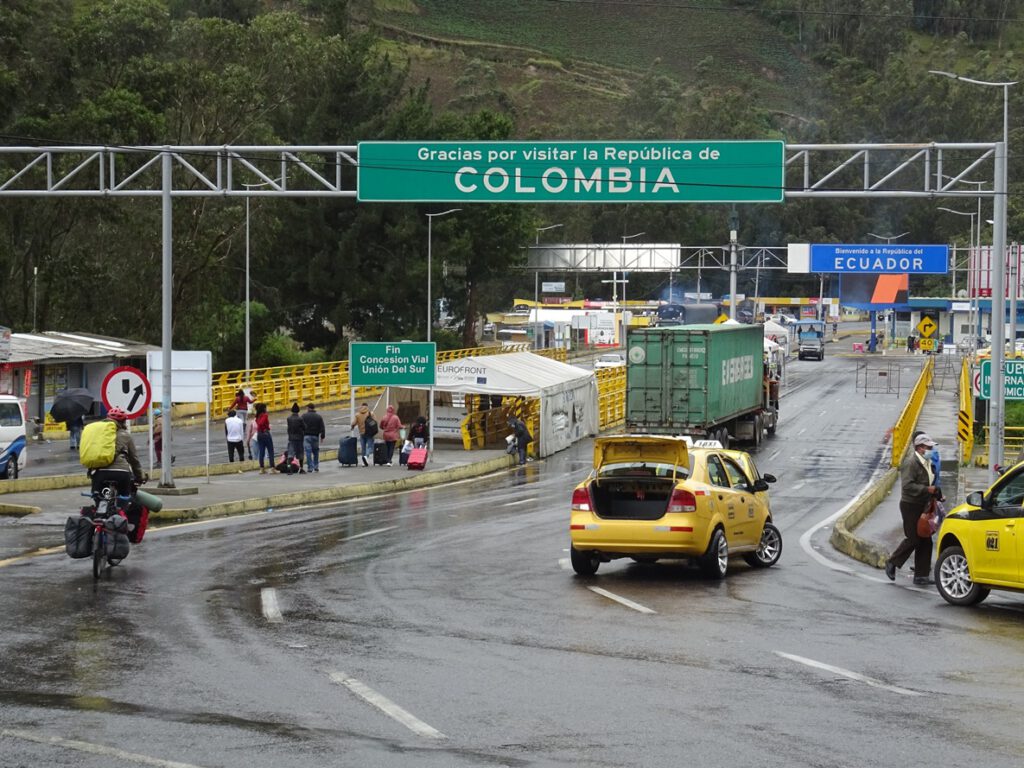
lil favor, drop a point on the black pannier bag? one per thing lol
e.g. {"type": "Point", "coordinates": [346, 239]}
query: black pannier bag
{"type": "Point", "coordinates": [78, 536]}
{"type": "Point", "coordinates": [117, 546]}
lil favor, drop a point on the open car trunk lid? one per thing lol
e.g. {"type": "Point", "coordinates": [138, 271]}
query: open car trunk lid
{"type": "Point", "coordinates": [617, 449]}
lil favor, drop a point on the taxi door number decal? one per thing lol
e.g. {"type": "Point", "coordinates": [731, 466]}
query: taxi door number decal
{"type": "Point", "coordinates": [992, 541]}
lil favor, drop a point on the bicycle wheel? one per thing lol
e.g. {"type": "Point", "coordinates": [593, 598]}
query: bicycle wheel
{"type": "Point", "coordinates": [98, 552]}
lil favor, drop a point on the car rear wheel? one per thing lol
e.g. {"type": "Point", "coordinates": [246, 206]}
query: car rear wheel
{"type": "Point", "coordinates": [768, 551]}
{"type": "Point", "coordinates": [953, 579]}
{"type": "Point", "coordinates": [584, 563]}
{"type": "Point", "coordinates": [715, 561]}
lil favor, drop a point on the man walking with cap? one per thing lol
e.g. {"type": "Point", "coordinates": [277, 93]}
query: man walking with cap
{"type": "Point", "coordinates": [918, 488]}
{"type": "Point", "coordinates": [313, 427]}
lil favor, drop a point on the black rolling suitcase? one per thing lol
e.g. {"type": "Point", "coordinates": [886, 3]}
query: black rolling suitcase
{"type": "Point", "coordinates": [380, 454]}
{"type": "Point", "coordinates": [347, 451]}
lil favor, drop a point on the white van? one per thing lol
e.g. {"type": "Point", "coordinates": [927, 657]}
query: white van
{"type": "Point", "coordinates": [12, 436]}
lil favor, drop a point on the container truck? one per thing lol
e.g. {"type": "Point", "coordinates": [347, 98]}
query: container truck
{"type": "Point", "coordinates": [705, 381]}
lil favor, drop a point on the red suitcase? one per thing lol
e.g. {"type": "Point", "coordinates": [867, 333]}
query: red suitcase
{"type": "Point", "coordinates": [417, 458]}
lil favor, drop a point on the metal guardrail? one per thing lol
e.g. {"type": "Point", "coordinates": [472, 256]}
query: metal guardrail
{"type": "Point", "coordinates": [319, 383]}
{"type": "Point", "coordinates": [904, 426]}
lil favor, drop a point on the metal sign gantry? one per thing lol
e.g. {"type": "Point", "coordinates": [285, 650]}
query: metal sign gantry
{"type": "Point", "coordinates": [812, 171]}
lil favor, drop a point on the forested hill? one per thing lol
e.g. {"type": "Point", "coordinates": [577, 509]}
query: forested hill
{"type": "Point", "coordinates": [211, 72]}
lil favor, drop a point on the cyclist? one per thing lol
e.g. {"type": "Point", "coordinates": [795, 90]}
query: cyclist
{"type": "Point", "coordinates": [126, 458]}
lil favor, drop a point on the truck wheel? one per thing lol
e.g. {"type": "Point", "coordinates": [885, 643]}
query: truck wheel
{"type": "Point", "coordinates": [758, 429]}
{"type": "Point", "coordinates": [715, 561]}
{"type": "Point", "coordinates": [772, 424]}
{"type": "Point", "coordinates": [584, 563]}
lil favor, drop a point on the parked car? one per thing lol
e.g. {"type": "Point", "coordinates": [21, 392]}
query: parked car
{"type": "Point", "coordinates": [13, 440]}
{"type": "Point", "coordinates": [655, 497]}
{"type": "Point", "coordinates": [609, 360]}
{"type": "Point", "coordinates": [979, 543]}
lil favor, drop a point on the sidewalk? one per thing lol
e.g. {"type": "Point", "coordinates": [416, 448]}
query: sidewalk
{"type": "Point", "coordinates": [882, 530]}
{"type": "Point", "coordinates": [237, 491]}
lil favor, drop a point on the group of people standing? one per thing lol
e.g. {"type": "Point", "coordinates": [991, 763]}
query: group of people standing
{"type": "Point", "coordinates": [305, 433]}
{"type": "Point", "coordinates": [390, 427]}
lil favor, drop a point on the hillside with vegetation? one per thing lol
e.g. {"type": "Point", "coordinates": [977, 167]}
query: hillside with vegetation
{"type": "Point", "coordinates": [213, 72]}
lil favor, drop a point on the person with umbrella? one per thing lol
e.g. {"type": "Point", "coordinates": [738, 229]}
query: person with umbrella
{"type": "Point", "coordinates": [70, 406]}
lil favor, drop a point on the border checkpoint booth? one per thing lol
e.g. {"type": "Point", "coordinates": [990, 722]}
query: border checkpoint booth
{"type": "Point", "coordinates": [474, 396]}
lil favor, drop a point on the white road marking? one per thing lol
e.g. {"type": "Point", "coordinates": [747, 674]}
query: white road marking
{"type": "Point", "coordinates": [772, 457]}
{"type": "Point", "coordinates": [798, 486]}
{"type": "Point", "coordinates": [622, 600]}
{"type": "Point", "coordinates": [822, 413]}
{"type": "Point", "coordinates": [849, 674]}
{"type": "Point", "coordinates": [386, 706]}
{"type": "Point", "coordinates": [805, 539]}
{"type": "Point", "coordinates": [374, 532]}
{"type": "Point", "coordinates": [271, 610]}
{"type": "Point", "coordinates": [95, 749]}
{"type": "Point", "coordinates": [801, 431]}
{"type": "Point", "coordinates": [514, 503]}
{"type": "Point", "coordinates": [564, 564]}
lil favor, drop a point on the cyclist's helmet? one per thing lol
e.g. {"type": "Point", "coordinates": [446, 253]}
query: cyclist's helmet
{"type": "Point", "coordinates": [117, 414]}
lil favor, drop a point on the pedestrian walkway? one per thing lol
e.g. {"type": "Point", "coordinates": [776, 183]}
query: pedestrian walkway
{"type": "Point", "coordinates": [239, 491]}
{"type": "Point", "coordinates": [882, 530]}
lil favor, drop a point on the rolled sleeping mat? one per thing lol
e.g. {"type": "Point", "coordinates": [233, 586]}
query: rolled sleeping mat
{"type": "Point", "coordinates": [149, 501]}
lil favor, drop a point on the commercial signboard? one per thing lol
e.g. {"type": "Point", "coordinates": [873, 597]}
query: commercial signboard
{"type": "Point", "coordinates": [392, 363]}
{"type": "Point", "coordinates": [870, 258]}
{"type": "Point", "coordinates": [572, 171]}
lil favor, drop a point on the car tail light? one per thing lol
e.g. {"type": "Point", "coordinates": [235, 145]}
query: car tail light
{"type": "Point", "coordinates": [581, 500]}
{"type": "Point", "coordinates": [682, 501]}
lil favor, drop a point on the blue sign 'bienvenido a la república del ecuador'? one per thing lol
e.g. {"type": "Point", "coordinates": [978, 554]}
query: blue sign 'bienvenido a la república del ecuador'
{"type": "Point", "coordinates": [880, 259]}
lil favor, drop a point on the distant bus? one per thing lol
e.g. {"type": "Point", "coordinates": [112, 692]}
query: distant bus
{"type": "Point", "coordinates": [686, 314]}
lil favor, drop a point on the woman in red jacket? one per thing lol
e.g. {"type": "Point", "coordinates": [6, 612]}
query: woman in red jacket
{"type": "Point", "coordinates": [390, 427]}
{"type": "Point", "coordinates": [264, 440]}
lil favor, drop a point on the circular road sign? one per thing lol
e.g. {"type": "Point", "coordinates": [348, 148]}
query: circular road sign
{"type": "Point", "coordinates": [127, 388]}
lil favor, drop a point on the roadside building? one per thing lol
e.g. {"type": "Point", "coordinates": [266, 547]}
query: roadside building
{"type": "Point", "coordinates": [39, 365]}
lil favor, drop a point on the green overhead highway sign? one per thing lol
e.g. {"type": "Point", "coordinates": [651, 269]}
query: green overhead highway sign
{"type": "Point", "coordinates": [572, 171]}
{"type": "Point", "coordinates": [1013, 380]}
{"type": "Point", "coordinates": [392, 363]}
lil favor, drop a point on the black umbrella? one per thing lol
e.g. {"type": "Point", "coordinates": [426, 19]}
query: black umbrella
{"type": "Point", "coordinates": [70, 404]}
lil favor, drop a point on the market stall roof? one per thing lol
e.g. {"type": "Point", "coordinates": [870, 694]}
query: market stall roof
{"type": "Point", "coordinates": [52, 346]}
{"type": "Point", "coordinates": [513, 373]}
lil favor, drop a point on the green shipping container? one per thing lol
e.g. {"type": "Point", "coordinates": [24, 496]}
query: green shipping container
{"type": "Point", "coordinates": [689, 377]}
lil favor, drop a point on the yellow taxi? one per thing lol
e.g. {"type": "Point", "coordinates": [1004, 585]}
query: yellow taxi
{"type": "Point", "coordinates": [651, 497]}
{"type": "Point", "coordinates": [980, 547]}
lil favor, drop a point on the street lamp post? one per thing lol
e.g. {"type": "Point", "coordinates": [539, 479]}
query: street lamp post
{"type": "Point", "coordinates": [536, 288]}
{"type": "Point", "coordinates": [970, 246]}
{"type": "Point", "coordinates": [430, 306]}
{"type": "Point", "coordinates": [624, 281]}
{"type": "Point", "coordinates": [873, 341]}
{"type": "Point", "coordinates": [997, 400]}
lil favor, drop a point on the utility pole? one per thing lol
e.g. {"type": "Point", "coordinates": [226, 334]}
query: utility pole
{"type": "Point", "coordinates": [734, 225]}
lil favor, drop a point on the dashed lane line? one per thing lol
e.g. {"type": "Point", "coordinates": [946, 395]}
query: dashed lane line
{"type": "Point", "coordinates": [849, 674]}
{"type": "Point", "coordinates": [271, 610]}
{"type": "Point", "coordinates": [387, 706]}
{"type": "Point", "coordinates": [621, 600]}
{"type": "Point", "coordinates": [95, 749]}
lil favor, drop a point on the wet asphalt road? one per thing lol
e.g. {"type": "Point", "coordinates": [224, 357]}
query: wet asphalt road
{"type": "Point", "coordinates": [444, 627]}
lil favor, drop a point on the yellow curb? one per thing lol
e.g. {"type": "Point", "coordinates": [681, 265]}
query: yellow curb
{"type": "Point", "coordinates": [336, 493]}
{"type": "Point", "coordinates": [79, 480]}
{"type": "Point", "coordinates": [843, 537]}
{"type": "Point", "coordinates": [18, 510]}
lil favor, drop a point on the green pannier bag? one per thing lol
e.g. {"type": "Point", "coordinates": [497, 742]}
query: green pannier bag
{"type": "Point", "coordinates": [98, 444]}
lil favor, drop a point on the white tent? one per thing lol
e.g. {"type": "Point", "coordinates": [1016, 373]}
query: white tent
{"type": "Point", "coordinates": [779, 334]}
{"type": "Point", "coordinates": [568, 395]}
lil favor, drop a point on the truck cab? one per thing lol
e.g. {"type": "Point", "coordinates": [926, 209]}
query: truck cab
{"type": "Point", "coordinates": [811, 339]}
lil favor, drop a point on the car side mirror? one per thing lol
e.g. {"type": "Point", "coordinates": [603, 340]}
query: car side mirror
{"type": "Point", "coordinates": [976, 499]}
{"type": "Point", "coordinates": [768, 478]}
{"type": "Point", "coordinates": [759, 485]}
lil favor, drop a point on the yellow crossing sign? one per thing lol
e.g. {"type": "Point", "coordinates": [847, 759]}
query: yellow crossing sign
{"type": "Point", "coordinates": [927, 326]}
